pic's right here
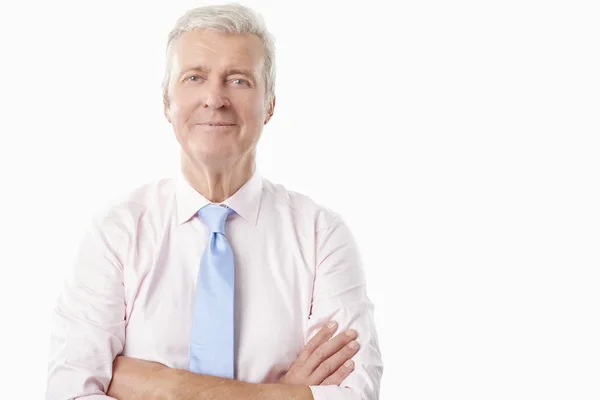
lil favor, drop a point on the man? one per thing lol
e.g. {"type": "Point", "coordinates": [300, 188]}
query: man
{"type": "Point", "coordinates": [217, 284]}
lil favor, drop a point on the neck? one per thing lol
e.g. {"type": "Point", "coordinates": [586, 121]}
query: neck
{"type": "Point", "coordinates": [218, 183]}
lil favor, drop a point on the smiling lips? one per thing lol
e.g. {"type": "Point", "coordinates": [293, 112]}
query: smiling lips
{"type": "Point", "coordinates": [216, 124]}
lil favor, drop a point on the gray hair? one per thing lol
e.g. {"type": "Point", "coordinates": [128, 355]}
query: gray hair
{"type": "Point", "coordinates": [230, 18]}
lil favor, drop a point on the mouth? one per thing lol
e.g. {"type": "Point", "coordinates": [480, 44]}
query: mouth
{"type": "Point", "coordinates": [216, 124]}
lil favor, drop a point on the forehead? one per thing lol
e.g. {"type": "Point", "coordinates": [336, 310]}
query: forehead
{"type": "Point", "coordinates": [217, 50]}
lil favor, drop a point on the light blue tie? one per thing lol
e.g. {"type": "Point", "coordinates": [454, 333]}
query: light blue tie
{"type": "Point", "coordinates": [212, 335]}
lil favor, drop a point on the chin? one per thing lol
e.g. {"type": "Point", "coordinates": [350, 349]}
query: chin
{"type": "Point", "coordinates": [215, 157]}
{"type": "Point", "coordinates": [218, 152]}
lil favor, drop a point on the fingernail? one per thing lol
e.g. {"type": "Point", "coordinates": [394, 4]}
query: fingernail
{"type": "Point", "coordinates": [332, 325]}
{"type": "Point", "coordinates": [353, 345]}
{"type": "Point", "coordinates": [351, 332]}
{"type": "Point", "coordinates": [348, 364]}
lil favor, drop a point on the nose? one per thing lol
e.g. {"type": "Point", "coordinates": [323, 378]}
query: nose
{"type": "Point", "coordinates": [216, 96]}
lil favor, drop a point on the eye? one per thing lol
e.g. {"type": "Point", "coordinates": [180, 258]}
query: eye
{"type": "Point", "coordinates": [193, 78]}
{"type": "Point", "coordinates": [240, 81]}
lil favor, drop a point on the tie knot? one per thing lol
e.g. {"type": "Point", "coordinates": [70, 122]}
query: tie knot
{"type": "Point", "coordinates": [214, 216]}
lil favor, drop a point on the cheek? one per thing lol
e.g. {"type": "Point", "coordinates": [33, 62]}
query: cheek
{"type": "Point", "coordinates": [253, 112]}
{"type": "Point", "coordinates": [181, 110]}
{"type": "Point", "coordinates": [184, 98]}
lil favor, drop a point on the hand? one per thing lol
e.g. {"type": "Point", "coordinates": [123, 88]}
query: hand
{"type": "Point", "coordinates": [324, 361]}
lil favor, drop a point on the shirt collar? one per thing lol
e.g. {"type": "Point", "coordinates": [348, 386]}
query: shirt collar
{"type": "Point", "coordinates": [245, 202]}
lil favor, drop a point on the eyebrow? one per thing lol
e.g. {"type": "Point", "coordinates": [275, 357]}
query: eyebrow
{"type": "Point", "coordinates": [228, 71]}
{"type": "Point", "coordinates": [240, 71]}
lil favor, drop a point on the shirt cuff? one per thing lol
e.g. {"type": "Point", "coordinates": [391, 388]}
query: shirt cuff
{"type": "Point", "coordinates": [332, 392]}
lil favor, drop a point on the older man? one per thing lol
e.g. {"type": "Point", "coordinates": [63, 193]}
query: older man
{"type": "Point", "coordinates": [216, 284]}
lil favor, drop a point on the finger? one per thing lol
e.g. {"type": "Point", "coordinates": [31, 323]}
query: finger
{"type": "Point", "coordinates": [333, 363]}
{"type": "Point", "coordinates": [324, 334]}
{"type": "Point", "coordinates": [338, 376]}
{"type": "Point", "coordinates": [329, 348]}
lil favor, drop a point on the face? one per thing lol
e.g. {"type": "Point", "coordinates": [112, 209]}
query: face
{"type": "Point", "coordinates": [217, 98]}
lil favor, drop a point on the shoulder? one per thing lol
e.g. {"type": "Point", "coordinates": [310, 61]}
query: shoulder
{"type": "Point", "coordinates": [116, 229]}
{"type": "Point", "coordinates": [126, 210]}
{"type": "Point", "coordinates": [300, 206]}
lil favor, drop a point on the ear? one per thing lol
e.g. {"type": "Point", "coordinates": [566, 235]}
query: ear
{"type": "Point", "coordinates": [166, 112]}
{"type": "Point", "coordinates": [270, 110]}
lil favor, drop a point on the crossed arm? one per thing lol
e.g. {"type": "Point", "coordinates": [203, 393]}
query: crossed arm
{"type": "Point", "coordinates": [88, 331]}
{"type": "Point", "coordinates": [323, 361]}
{"type": "Point", "coordinates": [142, 380]}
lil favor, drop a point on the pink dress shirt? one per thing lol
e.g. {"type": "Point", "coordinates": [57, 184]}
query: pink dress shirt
{"type": "Point", "coordinates": [132, 287]}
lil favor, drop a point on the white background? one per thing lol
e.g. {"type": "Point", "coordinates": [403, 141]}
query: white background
{"type": "Point", "coordinates": [459, 139]}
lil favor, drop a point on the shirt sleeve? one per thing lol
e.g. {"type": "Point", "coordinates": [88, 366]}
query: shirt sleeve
{"type": "Point", "coordinates": [340, 294]}
{"type": "Point", "coordinates": [88, 320]}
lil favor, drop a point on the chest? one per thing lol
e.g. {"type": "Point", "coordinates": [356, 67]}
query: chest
{"type": "Point", "coordinates": [273, 292]}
